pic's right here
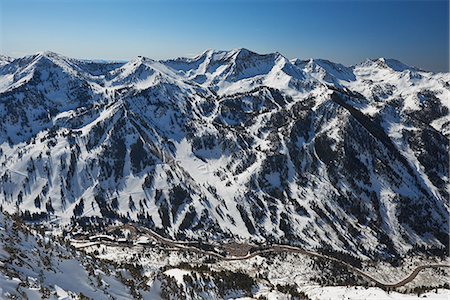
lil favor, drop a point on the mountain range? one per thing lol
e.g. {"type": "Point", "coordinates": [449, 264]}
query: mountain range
{"type": "Point", "coordinates": [231, 145]}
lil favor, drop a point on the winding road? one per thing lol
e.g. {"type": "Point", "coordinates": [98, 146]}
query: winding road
{"type": "Point", "coordinates": [275, 248]}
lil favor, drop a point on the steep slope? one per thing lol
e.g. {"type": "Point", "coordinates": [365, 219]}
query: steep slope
{"type": "Point", "coordinates": [35, 265]}
{"type": "Point", "coordinates": [35, 89]}
{"type": "Point", "coordinates": [234, 145]}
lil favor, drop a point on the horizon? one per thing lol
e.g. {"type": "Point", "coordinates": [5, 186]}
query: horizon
{"type": "Point", "coordinates": [414, 32]}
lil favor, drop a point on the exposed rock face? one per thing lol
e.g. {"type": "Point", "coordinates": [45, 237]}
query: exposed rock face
{"type": "Point", "coordinates": [231, 145]}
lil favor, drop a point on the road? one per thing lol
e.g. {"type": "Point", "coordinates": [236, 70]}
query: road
{"type": "Point", "coordinates": [276, 248]}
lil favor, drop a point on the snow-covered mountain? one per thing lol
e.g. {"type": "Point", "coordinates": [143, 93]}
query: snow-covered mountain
{"type": "Point", "coordinates": [231, 144]}
{"type": "Point", "coordinates": [239, 70]}
{"type": "Point", "coordinates": [5, 60]}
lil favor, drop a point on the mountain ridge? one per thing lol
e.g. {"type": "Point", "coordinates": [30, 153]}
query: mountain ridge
{"type": "Point", "coordinates": [210, 51]}
{"type": "Point", "coordinates": [231, 145]}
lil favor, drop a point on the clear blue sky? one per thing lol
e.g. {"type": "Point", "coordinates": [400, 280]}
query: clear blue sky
{"type": "Point", "coordinates": [415, 32]}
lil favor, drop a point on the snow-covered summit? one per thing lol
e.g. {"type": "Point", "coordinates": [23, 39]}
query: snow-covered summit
{"type": "Point", "coordinates": [325, 70]}
{"type": "Point", "coordinates": [237, 70]}
{"type": "Point", "coordinates": [386, 63]}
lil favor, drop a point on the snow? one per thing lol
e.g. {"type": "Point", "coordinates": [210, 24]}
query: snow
{"type": "Point", "coordinates": [62, 294]}
{"type": "Point", "coordinates": [158, 101]}
{"type": "Point", "coordinates": [372, 293]}
{"type": "Point", "coordinates": [203, 173]}
{"type": "Point", "coordinates": [155, 101]}
{"type": "Point", "coordinates": [279, 269]}
{"type": "Point", "coordinates": [102, 236]}
{"type": "Point", "coordinates": [31, 266]}
{"type": "Point", "coordinates": [177, 274]}
{"type": "Point", "coordinates": [155, 291]}
{"type": "Point", "coordinates": [142, 240]}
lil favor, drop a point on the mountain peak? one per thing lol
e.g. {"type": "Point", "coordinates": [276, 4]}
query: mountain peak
{"type": "Point", "coordinates": [388, 63]}
{"type": "Point", "coordinates": [242, 52]}
{"type": "Point", "coordinates": [143, 59]}
{"type": "Point", "coordinates": [50, 55]}
{"type": "Point", "coordinates": [206, 53]}
{"type": "Point", "coordinates": [4, 60]}
{"type": "Point", "coordinates": [397, 65]}
{"type": "Point", "coordinates": [43, 58]}
{"type": "Point", "coordinates": [325, 70]}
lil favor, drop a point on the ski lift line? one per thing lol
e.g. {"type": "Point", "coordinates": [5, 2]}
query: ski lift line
{"type": "Point", "coordinates": [17, 172]}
